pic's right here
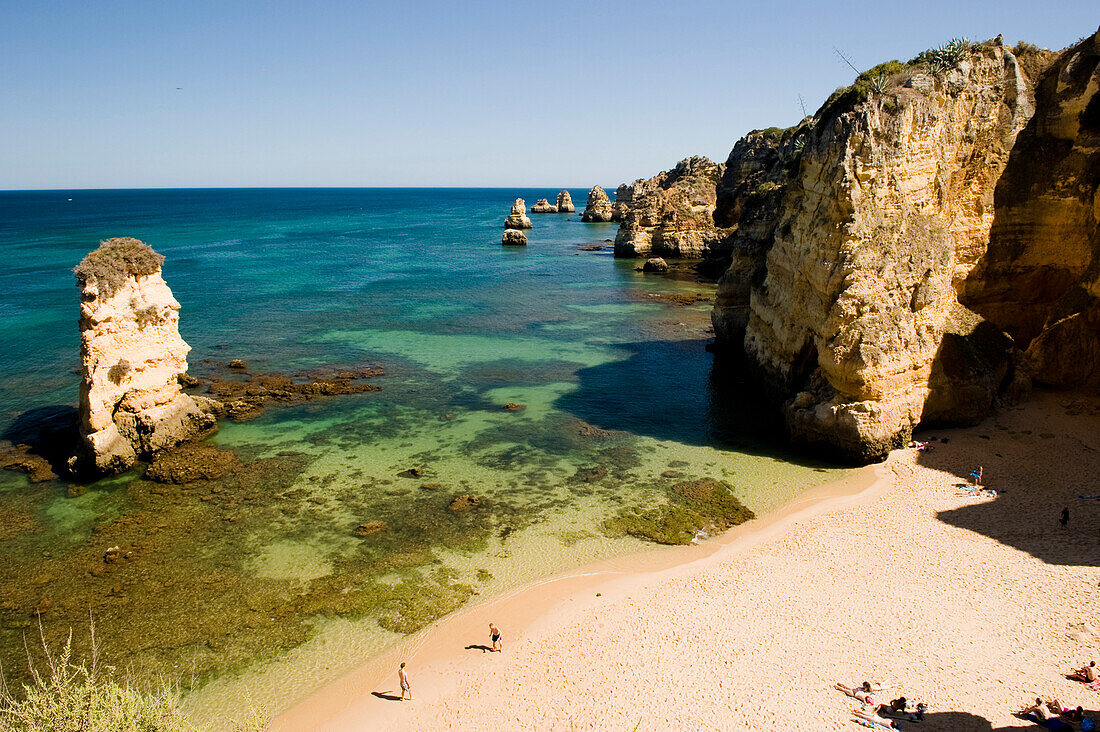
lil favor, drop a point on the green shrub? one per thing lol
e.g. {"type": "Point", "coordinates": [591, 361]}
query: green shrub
{"type": "Point", "coordinates": [114, 261]}
{"type": "Point", "coordinates": [870, 81]}
{"type": "Point", "coordinates": [1023, 48]}
{"type": "Point", "coordinates": [68, 696]}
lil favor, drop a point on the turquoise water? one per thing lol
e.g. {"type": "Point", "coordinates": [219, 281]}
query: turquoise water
{"type": "Point", "coordinates": [259, 581]}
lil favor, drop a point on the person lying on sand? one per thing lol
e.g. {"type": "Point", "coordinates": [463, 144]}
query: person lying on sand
{"type": "Point", "coordinates": [863, 693]}
{"type": "Point", "coordinates": [1088, 674]}
{"type": "Point", "coordinates": [1046, 712]}
{"type": "Point", "coordinates": [876, 720]}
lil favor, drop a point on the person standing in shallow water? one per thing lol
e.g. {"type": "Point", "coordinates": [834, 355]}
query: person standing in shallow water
{"type": "Point", "coordinates": [403, 677]}
{"type": "Point", "coordinates": [494, 636]}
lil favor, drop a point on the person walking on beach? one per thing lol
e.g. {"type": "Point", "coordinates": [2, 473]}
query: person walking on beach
{"type": "Point", "coordinates": [494, 636]}
{"type": "Point", "coordinates": [1064, 518]}
{"type": "Point", "coordinates": [976, 475]}
{"type": "Point", "coordinates": [403, 677]}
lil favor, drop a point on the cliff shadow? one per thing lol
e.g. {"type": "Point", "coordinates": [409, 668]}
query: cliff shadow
{"type": "Point", "coordinates": [51, 433]}
{"type": "Point", "coordinates": [675, 391]}
{"type": "Point", "coordinates": [1041, 457]}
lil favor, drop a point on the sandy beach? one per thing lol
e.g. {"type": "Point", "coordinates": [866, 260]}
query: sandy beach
{"type": "Point", "coordinates": [972, 605]}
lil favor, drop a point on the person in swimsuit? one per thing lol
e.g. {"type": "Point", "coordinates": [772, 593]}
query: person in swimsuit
{"type": "Point", "coordinates": [403, 677]}
{"type": "Point", "coordinates": [494, 636]}
{"type": "Point", "coordinates": [1089, 673]}
{"type": "Point", "coordinates": [860, 693]}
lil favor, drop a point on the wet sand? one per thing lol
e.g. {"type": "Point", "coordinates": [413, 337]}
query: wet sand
{"type": "Point", "coordinates": [973, 605]}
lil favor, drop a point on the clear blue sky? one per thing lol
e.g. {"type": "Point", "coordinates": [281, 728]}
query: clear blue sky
{"type": "Point", "coordinates": [414, 93]}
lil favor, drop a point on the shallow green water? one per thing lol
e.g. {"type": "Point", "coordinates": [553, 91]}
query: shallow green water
{"type": "Point", "coordinates": [259, 581]}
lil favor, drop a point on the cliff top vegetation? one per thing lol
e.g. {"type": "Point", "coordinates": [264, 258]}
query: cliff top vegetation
{"type": "Point", "coordinates": [115, 260]}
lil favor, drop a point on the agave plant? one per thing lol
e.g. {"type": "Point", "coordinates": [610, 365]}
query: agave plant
{"type": "Point", "coordinates": [880, 84]}
{"type": "Point", "coordinates": [955, 50]}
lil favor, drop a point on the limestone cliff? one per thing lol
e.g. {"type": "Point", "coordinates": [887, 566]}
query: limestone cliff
{"type": "Point", "coordinates": [565, 203]}
{"type": "Point", "coordinates": [598, 207]}
{"type": "Point", "coordinates": [131, 405]}
{"type": "Point", "coordinates": [670, 214]}
{"type": "Point", "coordinates": [1040, 279]}
{"type": "Point", "coordinates": [844, 284]}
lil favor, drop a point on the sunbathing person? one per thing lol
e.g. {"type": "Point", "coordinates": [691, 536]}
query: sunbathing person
{"type": "Point", "coordinates": [1088, 674]}
{"type": "Point", "coordinates": [875, 719]}
{"type": "Point", "coordinates": [863, 693]}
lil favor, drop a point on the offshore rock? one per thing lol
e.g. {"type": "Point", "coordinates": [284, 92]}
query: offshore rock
{"type": "Point", "coordinates": [544, 206]}
{"type": "Point", "coordinates": [670, 214]}
{"type": "Point", "coordinates": [518, 218]}
{"type": "Point", "coordinates": [131, 403]}
{"type": "Point", "coordinates": [1040, 277]}
{"type": "Point", "coordinates": [514, 238]}
{"type": "Point", "coordinates": [655, 264]}
{"type": "Point", "coordinates": [565, 203]}
{"type": "Point", "coordinates": [598, 208]}
{"type": "Point", "coordinates": [844, 284]}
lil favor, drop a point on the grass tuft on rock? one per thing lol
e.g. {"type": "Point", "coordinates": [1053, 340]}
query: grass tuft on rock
{"type": "Point", "coordinates": [114, 261]}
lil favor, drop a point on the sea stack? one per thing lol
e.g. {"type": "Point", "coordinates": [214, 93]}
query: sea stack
{"type": "Point", "coordinates": [131, 404]}
{"type": "Point", "coordinates": [544, 206]}
{"type": "Point", "coordinates": [565, 203]}
{"type": "Point", "coordinates": [514, 238]}
{"type": "Point", "coordinates": [598, 208]}
{"type": "Point", "coordinates": [518, 218]}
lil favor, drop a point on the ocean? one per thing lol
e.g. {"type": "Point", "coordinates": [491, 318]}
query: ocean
{"type": "Point", "coordinates": [259, 584]}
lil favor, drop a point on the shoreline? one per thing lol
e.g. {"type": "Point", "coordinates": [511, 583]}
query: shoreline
{"type": "Point", "coordinates": [974, 605]}
{"type": "Point", "coordinates": [535, 606]}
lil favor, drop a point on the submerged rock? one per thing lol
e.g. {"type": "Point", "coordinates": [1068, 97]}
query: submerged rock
{"type": "Point", "coordinates": [370, 528]}
{"type": "Point", "coordinates": [191, 462]}
{"type": "Point", "coordinates": [518, 218]}
{"type": "Point", "coordinates": [464, 503]}
{"type": "Point", "coordinates": [513, 238]}
{"type": "Point", "coordinates": [565, 203]}
{"type": "Point", "coordinates": [598, 208]}
{"type": "Point", "coordinates": [21, 459]}
{"type": "Point", "coordinates": [131, 402]}
{"type": "Point", "coordinates": [544, 206]}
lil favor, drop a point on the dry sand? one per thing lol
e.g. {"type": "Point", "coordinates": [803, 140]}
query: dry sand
{"type": "Point", "coordinates": [973, 605]}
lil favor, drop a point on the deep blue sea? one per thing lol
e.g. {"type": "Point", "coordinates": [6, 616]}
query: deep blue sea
{"type": "Point", "coordinates": [262, 583]}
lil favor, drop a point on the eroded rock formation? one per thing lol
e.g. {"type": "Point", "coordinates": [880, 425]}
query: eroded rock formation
{"type": "Point", "coordinates": [670, 214]}
{"type": "Point", "coordinates": [851, 236]}
{"type": "Point", "coordinates": [544, 206]}
{"type": "Point", "coordinates": [1040, 278]}
{"type": "Point", "coordinates": [518, 218]}
{"type": "Point", "coordinates": [598, 208]}
{"type": "Point", "coordinates": [565, 203]}
{"type": "Point", "coordinates": [131, 404]}
{"type": "Point", "coordinates": [514, 238]}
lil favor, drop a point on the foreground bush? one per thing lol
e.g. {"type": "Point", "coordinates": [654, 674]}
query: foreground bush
{"type": "Point", "coordinates": [79, 697]}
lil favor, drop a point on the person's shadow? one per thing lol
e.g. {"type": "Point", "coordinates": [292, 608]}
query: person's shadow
{"type": "Point", "coordinates": [386, 696]}
{"type": "Point", "coordinates": [479, 647]}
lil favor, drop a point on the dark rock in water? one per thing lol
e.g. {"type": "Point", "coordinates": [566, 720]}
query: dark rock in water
{"type": "Point", "coordinates": [464, 503]}
{"type": "Point", "coordinates": [186, 380]}
{"type": "Point", "coordinates": [411, 473]}
{"type": "Point", "coordinates": [45, 604]}
{"type": "Point", "coordinates": [370, 528]}
{"type": "Point", "coordinates": [190, 462]}
{"type": "Point", "coordinates": [238, 363]}
{"type": "Point", "coordinates": [513, 407]}
{"type": "Point", "coordinates": [242, 399]}
{"type": "Point", "coordinates": [672, 474]}
{"type": "Point", "coordinates": [20, 459]}
{"type": "Point", "coordinates": [591, 475]}
{"type": "Point", "coordinates": [655, 264]}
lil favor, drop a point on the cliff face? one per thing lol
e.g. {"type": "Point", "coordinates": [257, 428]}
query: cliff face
{"type": "Point", "coordinates": [670, 214]}
{"type": "Point", "coordinates": [131, 405]}
{"type": "Point", "coordinates": [850, 269]}
{"type": "Point", "coordinates": [748, 201]}
{"type": "Point", "coordinates": [1040, 279]}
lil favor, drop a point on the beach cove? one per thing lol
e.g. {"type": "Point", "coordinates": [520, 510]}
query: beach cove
{"type": "Point", "coordinates": [974, 606]}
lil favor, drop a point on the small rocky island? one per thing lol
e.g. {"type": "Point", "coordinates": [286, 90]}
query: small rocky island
{"type": "Point", "coordinates": [131, 354]}
{"type": "Point", "coordinates": [565, 203]}
{"type": "Point", "coordinates": [598, 208]}
{"type": "Point", "coordinates": [544, 206]}
{"type": "Point", "coordinates": [518, 218]}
